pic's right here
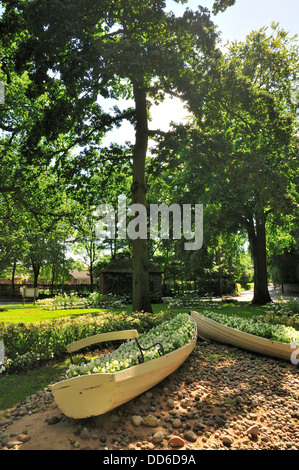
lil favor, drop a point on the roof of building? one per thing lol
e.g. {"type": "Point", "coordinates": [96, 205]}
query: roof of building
{"type": "Point", "coordinates": [125, 265]}
{"type": "Point", "coordinates": [80, 274]}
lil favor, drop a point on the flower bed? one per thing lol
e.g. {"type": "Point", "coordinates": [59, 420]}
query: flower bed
{"type": "Point", "coordinates": [190, 301]}
{"type": "Point", "coordinates": [172, 335]}
{"type": "Point", "coordinates": [29, 344]}
{"type": "Point", "coordinates": [94, 300]}
{"type": "Point", "coordinates": [280, 333]}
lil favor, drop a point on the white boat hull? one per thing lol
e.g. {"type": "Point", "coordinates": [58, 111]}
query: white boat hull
{"type": "Point", "coordinates": [95, 394]}
{"type": "Point", "coordinates": [210, 329]}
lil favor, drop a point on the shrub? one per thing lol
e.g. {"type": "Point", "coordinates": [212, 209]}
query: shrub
{"type": "Point", "coordinates": [190, 300]}
{"type": "Point", "coordinates": [93, 300]}
{"type": "Point", "coordinates": [238, 288]}
{"type": "Point", "coordinates": [289, 307]}
{"type": "Point", "coordinates": [30, 344]}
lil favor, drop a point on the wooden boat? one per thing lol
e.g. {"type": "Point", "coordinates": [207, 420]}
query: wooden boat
{"type": "Point", "coordinates": [94, 394]}
{"type": "Point", "coordinates": [211, 329]}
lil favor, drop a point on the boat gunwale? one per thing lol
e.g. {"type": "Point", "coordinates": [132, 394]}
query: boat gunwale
{"type": "Point", "coordinates": [266, 340]}
{"type": "Point", "coordinates": [68, 382]}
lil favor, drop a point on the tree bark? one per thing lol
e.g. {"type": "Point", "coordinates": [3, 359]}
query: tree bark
{"type": "Point", "coordinates": [220, 271]}
{"type": "Point", "coordinates": [13, 276]}
{"type": "Point", "coordinates": [141, 287]}
{"type": "Point", "coordinates": [36, 269]}
{"type": "Point", "coordinates": [53, 278]}
{"type": "Point", "coordinates": [257, 240]}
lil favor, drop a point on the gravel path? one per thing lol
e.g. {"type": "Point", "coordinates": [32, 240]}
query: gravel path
{"type": "Point", "coordinates": [220, 398]}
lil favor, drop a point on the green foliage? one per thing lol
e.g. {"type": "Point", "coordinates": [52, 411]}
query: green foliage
{"type": "Point", "coordinates": [172, 335]}
{"type": "Point", "coordinates": [239, 155]}
{"type": "Point", "coordinates": [74, 301]}
{"type": "Point", "coordinates": [31, 344]}
{"type": "Point", "coordinates": [75, 53]}
{"type": "Point", "coordinates": [190, 300]}
{"type": "Point", "coordinates": [258, 327]}
{"type": "Point", "coordinates": [288, 308]}
{"type": "Point", "coordinates": [238, 288]}
{"type": "Point", "coordinates": [283, 312]}
{"type": "Point", "coordinates": [222, 5]}
{"type": "Point", "coordinates": [15, 388]}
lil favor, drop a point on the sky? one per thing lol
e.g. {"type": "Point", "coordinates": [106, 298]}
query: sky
{"type": "Point", "coordinates": [248, 15]}
{"type": "Point", "coordinates": [234, 24]}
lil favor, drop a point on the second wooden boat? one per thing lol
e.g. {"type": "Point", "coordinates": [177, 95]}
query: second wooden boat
{"type": "Point", "coordinates": [94, 394]}
{"type": "Point", "coordinates": [211, 329]}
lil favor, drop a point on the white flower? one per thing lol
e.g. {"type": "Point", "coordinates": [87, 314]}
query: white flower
{"type": "Point", "coordinates": [172, 334]}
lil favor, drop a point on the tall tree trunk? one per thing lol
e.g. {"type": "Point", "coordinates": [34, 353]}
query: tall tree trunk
{"type": "Point", "coordinates": [13, 276]}
{"type": "Point", "coordinates": [36, 269]}
{"type": "Point", "coordinates": [91, 254]}
{"type": "Point", "coordinates": [257, 239]}
{"type": "Point", "coordinates": [141, 287]}
{"type": "Point", "coordinates": [220, 273]}
{"type": "Point", "coordinates": [53, 278]}
{"type": "Point", "coordinates": [91, 276]}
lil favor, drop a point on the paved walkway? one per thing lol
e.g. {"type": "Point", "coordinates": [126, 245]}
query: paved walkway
{"type": "Point", "coordinates": [247, 296]}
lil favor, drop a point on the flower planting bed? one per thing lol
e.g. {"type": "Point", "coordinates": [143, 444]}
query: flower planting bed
{"type": "Point", "coordinates": [172, 334]}
{"type": "Point", "coordinates": [280, 333]}
{"type": "Point", "coordinates": [30, 344]}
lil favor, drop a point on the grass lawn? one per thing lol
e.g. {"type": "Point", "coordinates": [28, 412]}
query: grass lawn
{"type": "Point", "coordinates": [242, 309]}
{"type": "Point", "coordinates": [19, 313]}
{"type": "Point", "coordinates": [14, 388]}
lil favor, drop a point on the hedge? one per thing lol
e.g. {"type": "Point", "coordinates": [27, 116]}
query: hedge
{"type": "Point", "coordinates": [29, 344]}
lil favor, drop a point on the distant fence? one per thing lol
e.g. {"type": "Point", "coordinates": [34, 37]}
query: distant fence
{"type": "Point", "coordinates": [45, 290]}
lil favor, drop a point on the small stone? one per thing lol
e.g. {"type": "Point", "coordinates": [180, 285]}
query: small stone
{"type": "Point", "coordinates": [53, 420]}
{"type": "Point", "coordinates": [23, 437]}
{"type": "Point", "coordinates": [85, 433]}
{"type": "Point", "coordinates": [151, 421]}
{"type": "Point", "coordinates": [137, 420]}
{"type": "Point", "coordinates": [190, 436]}
{"type": "Point", "coordinates": [219, 420]}
{"type": "Point", "coordinates": [253, 430]}
{"type": "Point", "coordinates": [158, 437]}
{"type": "Point", "coordinates": [176, 423]}
{"type": "Point", "coordinates": [13, 443]}
{"type": "Point", "coordinates": [150, 446]}
{"type": "Point", "coordinates": [170, 402]}
{"type": "Point", "coordinates": [5, 422]}
{"type": "Point", "coordinates": [226, 440]}
{"type": "Point", "coordinates": [76, 445]}
{"type": "Point", "coordinates": [176, 441]}
{"type": "Point", "coordinates": [114, 418]}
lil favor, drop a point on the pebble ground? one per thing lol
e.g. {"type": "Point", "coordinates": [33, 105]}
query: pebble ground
{"type": "Point", "coordinates": [221, 398]}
